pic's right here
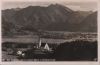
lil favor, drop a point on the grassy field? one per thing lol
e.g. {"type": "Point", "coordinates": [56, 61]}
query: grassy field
{"type": "Point", "coordinates": [33, 40]}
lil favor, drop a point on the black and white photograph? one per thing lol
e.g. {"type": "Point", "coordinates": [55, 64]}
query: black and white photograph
{"type": "Point", "coordinates": [49, 31]}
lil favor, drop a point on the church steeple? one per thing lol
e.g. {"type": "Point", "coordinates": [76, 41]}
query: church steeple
{"type": "Point", "coordinates": [39, 45]}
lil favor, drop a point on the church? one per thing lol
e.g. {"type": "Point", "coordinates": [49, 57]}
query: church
{"type": "Point", "coordinates": [43, 46]}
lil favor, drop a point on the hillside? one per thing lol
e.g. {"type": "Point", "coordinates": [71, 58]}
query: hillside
{"type": "Point", "coordinates": [90, 23]}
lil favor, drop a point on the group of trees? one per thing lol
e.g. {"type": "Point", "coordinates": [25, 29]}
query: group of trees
{"type": "Point", "coordinates": [76, 51]}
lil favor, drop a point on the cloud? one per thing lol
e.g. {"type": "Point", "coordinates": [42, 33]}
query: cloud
{"type": "Point", "coordinates": [84, 5]}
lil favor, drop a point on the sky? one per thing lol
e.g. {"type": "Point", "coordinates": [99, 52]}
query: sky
{"type": "Point", "coordinates": [82, 5]}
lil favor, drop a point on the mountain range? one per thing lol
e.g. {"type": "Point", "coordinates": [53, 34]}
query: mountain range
{"type": "Point", "coordinates": [55, 17]}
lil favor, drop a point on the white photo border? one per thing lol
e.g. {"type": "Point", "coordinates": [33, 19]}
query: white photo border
{"type": "Point", "coordinates": [50, 63]}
